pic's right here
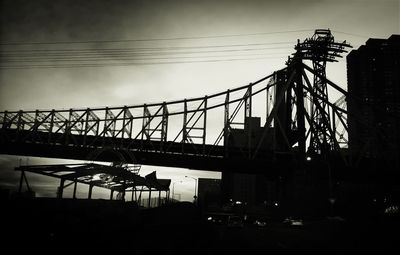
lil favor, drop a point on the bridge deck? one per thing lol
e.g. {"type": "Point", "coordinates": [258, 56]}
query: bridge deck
{"type": "Point", "coordinates": [146, 152]}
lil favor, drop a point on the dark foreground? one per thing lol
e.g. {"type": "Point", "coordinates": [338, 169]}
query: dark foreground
{"type": "Point", "coordinates": [49, 226]}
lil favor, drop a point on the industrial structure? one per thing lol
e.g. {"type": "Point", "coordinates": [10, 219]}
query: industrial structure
{"type": "Point", "coordinates": [283, 127]}
{"type": "Point", "coordinates": [289, 129]}
{"type": "Point", "coordinates": [116, 178]}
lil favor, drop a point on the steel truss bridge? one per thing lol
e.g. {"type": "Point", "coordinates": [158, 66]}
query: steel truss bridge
{"type": "Point", "coordinates": [283, 121]}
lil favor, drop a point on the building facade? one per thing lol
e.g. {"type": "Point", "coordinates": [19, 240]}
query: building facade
{"type": "Point", "coordinates": [373, 73]}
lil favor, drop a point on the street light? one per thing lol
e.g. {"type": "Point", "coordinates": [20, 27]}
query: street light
{"type": "Point", "coordinates": [195, 187]}
{"type": "Point", "coordinates": [173, 189]}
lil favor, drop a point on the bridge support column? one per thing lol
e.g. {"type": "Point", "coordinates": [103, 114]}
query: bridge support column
{"type": "Point", "coordinates": [135, 190]}
{"type": "Point", "coordinates": [149, 202]}
{"type": "Point", "coordinates": [111, 194]}
{"type": "Point", "coordinates": [300, 111]}
{"type": "Point", "coordinates": [21, 181]}
{"type": "Point", "coordinates": [140, 196]}
{"type": "Point", "coordinates": [74, 194]}
{"type": "Point", "coordinates": [90, 191]}
{"type": "Point", "coordinates": [60, 189]}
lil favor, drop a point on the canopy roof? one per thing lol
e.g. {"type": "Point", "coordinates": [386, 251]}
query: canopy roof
{"type": "Point", "coordinates": [114, 177]}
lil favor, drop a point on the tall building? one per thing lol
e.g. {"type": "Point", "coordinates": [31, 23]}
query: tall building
{"type": "Point", "coordinates": [373, 73]}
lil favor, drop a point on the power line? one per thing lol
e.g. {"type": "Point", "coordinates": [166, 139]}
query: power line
{"type": "Point", "coordinates": [346, 33]}
{"type": "Point", "coordinates": [145, 48]}
{"type": "Point", "coordinates": [76, 65]}
{"type": "Point", "coordinates": [128, 53]}
{"type": "Point", "coordinates": [23, 58]}
{"type": "Point", "coordinates": [155, 39]}
{"type": "Point", "coordinates": [126, 57]}
{"type": "Point", "coordinates": [123, 54]}
{"type": "Point", "coordinates": [94, 57]}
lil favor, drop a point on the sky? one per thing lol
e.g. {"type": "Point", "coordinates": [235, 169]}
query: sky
{"type": "Point", "coordinates": [181, 49]}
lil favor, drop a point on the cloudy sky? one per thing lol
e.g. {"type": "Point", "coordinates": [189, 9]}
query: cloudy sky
{"type": "Point", "coordinates": [167, 49]}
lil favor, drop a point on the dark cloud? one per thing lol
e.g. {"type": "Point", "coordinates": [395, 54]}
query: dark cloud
{"type": "Point", "coordinates": [62, 19]}
{"type": "Point", "coordinates": [100, 19]}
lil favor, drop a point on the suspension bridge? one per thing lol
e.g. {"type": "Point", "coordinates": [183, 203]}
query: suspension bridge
{"type": "Point", "coordinates": [281, 122]}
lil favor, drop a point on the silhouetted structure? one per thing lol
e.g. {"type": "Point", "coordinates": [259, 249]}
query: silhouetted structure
{"type": "Point", "coordinates": [288, 131]}
{"type": "Point", "coordinates": [373, 72]}
{"type": "Point", "coordinates": [297, 122]}
{"type": "Point", "coordinates": [116, 178]}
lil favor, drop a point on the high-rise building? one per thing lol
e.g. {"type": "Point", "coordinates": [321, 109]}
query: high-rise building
{"type": "Point", "coordinates": [373, 73]}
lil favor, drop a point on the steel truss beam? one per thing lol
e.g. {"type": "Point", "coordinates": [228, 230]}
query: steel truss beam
{"type": "Point", "coordinates": [299, 117]}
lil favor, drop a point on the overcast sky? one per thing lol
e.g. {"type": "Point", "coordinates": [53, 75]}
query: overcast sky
{"type": "Point", "coordinates": [268, 28]}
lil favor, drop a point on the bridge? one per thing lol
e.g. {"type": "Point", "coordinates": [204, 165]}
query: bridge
{"type": "Point", "coordinates": [274, 125]}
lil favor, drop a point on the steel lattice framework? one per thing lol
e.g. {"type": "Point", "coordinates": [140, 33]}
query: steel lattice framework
{"type": "Point", "coordinates": [292, 104]}
{"type": "Point", "coordinates": [321, 48]}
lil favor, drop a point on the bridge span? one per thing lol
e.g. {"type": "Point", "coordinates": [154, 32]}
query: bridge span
{"type": "Point", "coordinates": [280, 123]}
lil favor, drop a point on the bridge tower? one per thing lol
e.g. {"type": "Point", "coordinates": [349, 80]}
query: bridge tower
{"type": "Point", "coordinates": [310, 120]}
{"type": "Point", "coordinates": [320, 49]}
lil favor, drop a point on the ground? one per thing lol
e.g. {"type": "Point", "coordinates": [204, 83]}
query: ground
{"type": "Point", "coordinates": [44, 226]}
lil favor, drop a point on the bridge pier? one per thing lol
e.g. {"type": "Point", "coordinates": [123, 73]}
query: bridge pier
{"type": "Point", "coordinates": [75, 186]}
{"type": "Point", "coordinates": [90, 191]}
{"type": "Point", "coordinates": [149, 202]}
{"type": "Point", "coordinates": [61, 188]}
{"type": "Point", "coordinates": [111, 194]}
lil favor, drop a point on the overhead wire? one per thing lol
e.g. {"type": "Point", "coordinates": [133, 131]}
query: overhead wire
{"type": "Point", "coordinates": [73, 56]}
{"type": "Point", "coordinates": [75, 65]}
{"type": "Point", "coordinates": [124, 52]}
{"type": "Point", "coordinates": [156, 39]}
{"type": "Point", "coordinates": [62, 58]}
{"type": "Point", "coordinates": [148, 48]}
{"type": "Point", "coordinates": [352, 34]}
{"type": "Point", "coordinates": [132, 57]}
